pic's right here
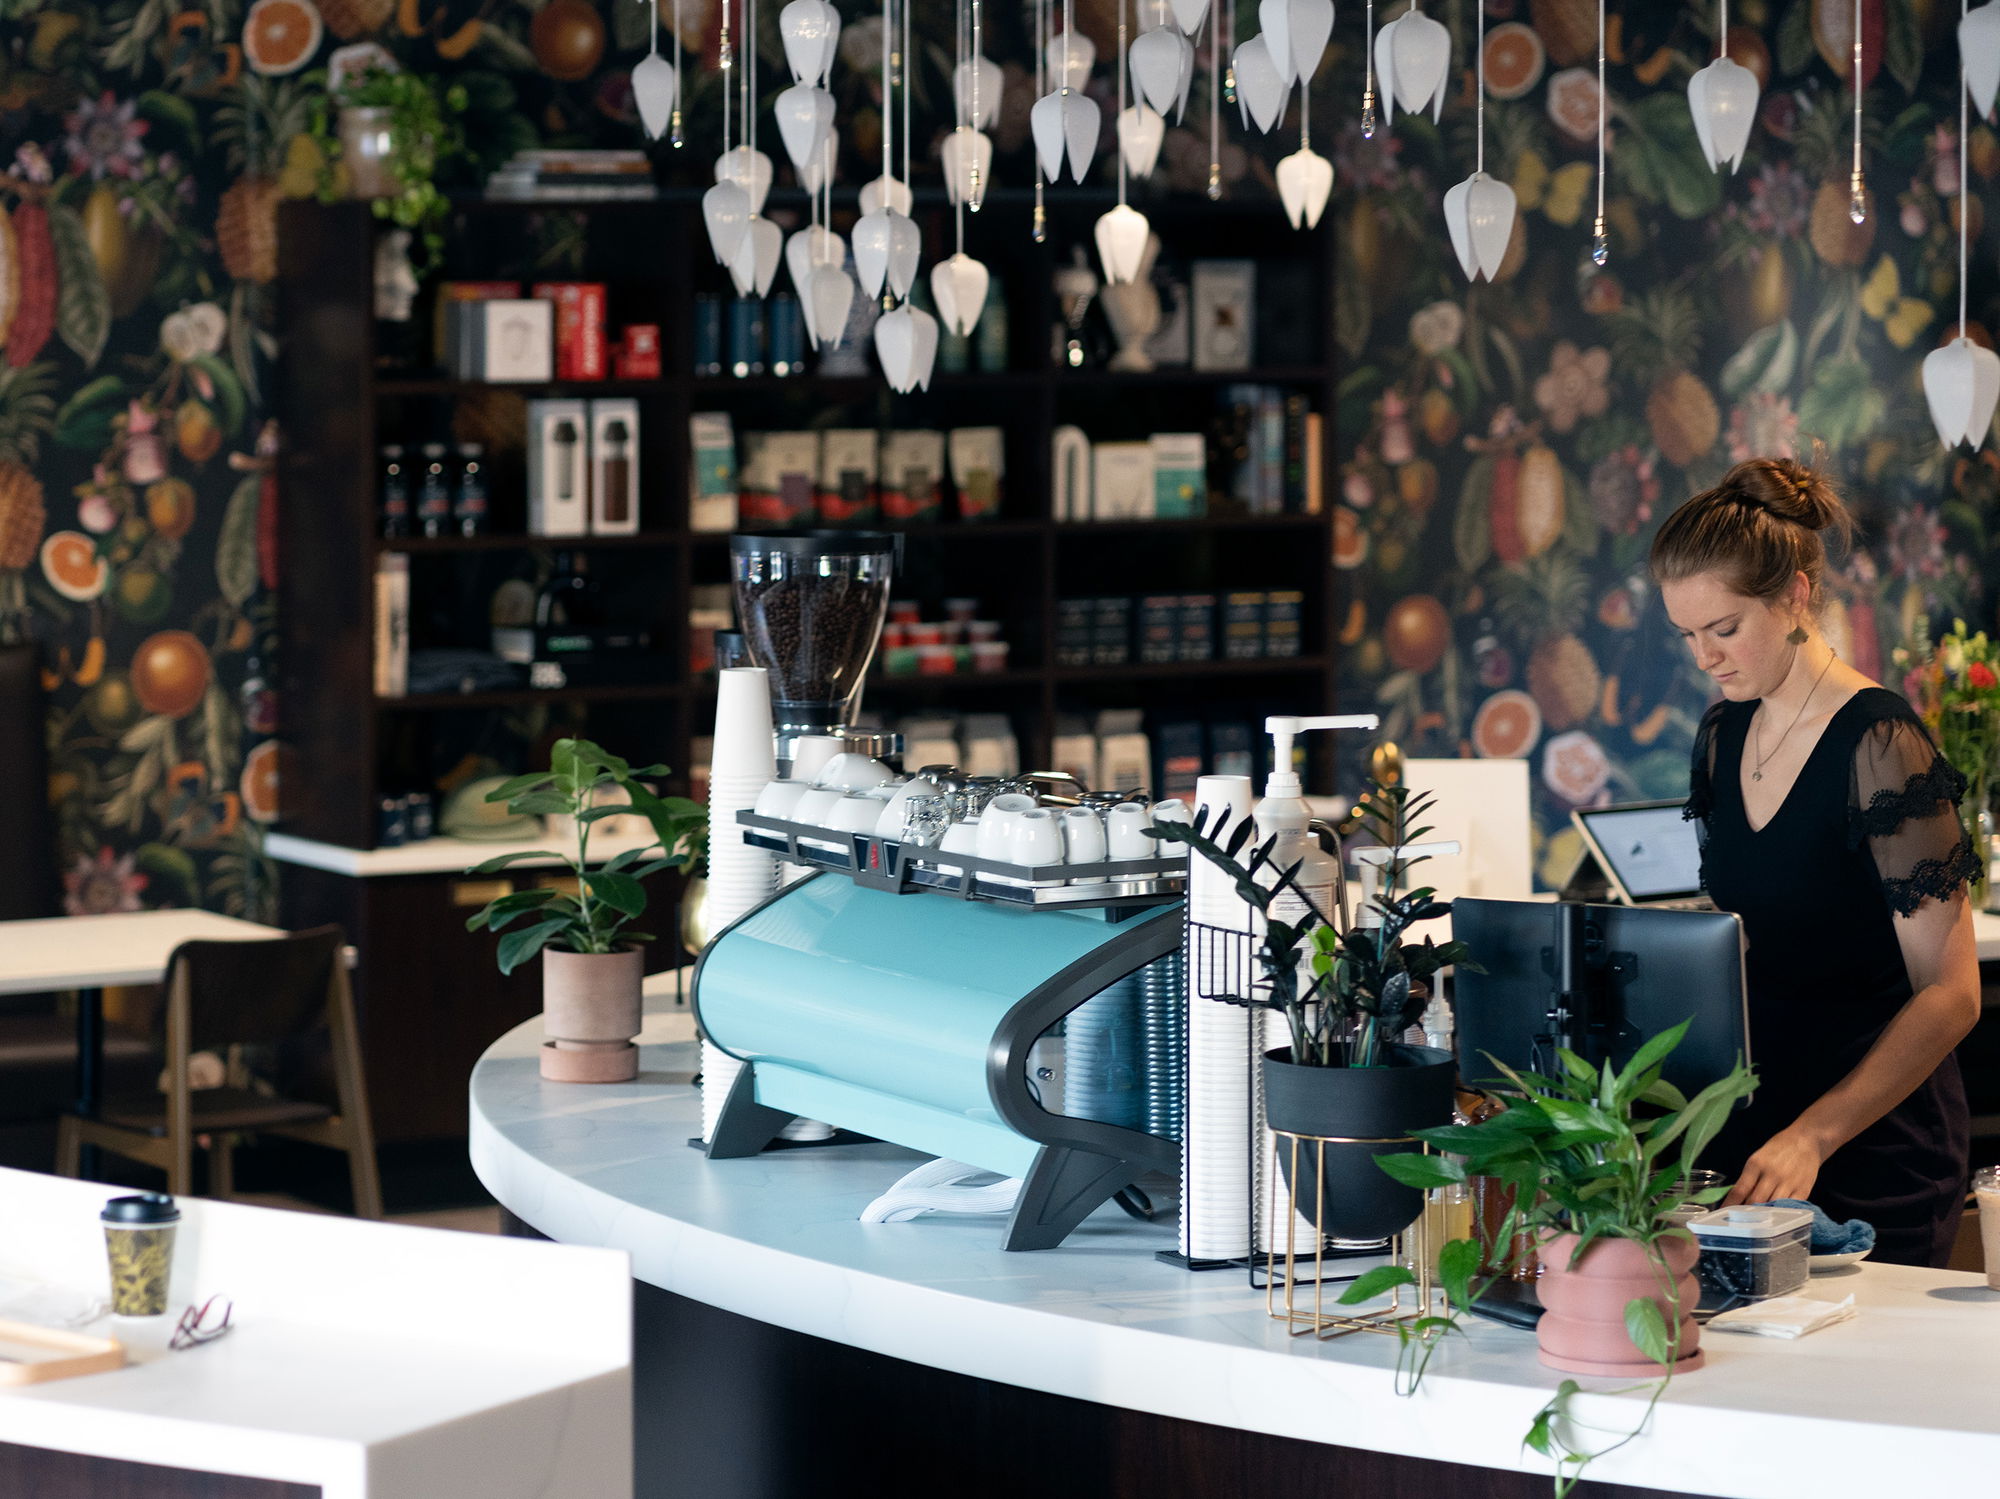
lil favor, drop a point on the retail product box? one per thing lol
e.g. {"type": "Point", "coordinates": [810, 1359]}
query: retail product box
{"type": "Point", "coordinates": [757, 486]}
{"type": "Point", "coordinates": [1242, 626]}
{"type": "Point", "coordinates": [712, 497]}
{"type": "Point", "coordinates": [1159, 627]}
{"type": "Point", "coordinates": [558, 468]}
{"type": "Point", "coordinates": [1121, 480]}
{"type": "Point", "coordinates": [1111, 632]}
{"type": "Point", "coordinates": [1224, 295]}
{"type": "Point", "coordinates": [1197, 627]}
{"type": "Point", "coordinates": [1069, 474]}
{"type": "Point", "coordinates": [930, 741]}
{"type": "Point", "coordinates": [989, 745]}
{"type": "Point", "coordinates": [579, 327]}
{"type": "Point", "coordinates": [614, 467]}
{"type": "Point", "coordinates": [780, 470]}
{"type": "Point", "coordinates": [1179, 753]}
{"type": "Point", "coordinates": [1074, 750]}
{"type": "Point", "coordinates": [1076, 622]}
{"type": "Point", "coordinates": [849, 464]}
{"type": "Point", "coordinates": [1284, 611]}
{"type": "Point", "coordinates": [912, 476]}
{"type": "Point", "coordinates": [1232, 749]}
{"type": "Point", "coordinates": [444, 325]}
{"type": "Point", "coordinates": [1124, 750]}
{"type": "Point", "coordinates": [978, 470]}
{"type": "Point", "coordinates": [637, 355]}
{"type": "Point", "coordinates": [499, 340]}
{"type": "Point", "coordinates": [1180, 475]}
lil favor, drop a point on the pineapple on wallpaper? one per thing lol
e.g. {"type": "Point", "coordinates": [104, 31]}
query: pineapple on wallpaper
{"type": "Point", "coordinates": [1509, 449]}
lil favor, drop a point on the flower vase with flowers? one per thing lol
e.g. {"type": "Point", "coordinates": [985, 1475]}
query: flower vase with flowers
{"type": "Point", "coordinates": [1955, 686]}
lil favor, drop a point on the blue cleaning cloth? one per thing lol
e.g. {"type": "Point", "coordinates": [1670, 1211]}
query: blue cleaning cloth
{"type": "Point", "coordinates": [1829, 1237]}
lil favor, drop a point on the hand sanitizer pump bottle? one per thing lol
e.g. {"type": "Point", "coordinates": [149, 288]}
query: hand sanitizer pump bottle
{"type": "Point", "coordinates": [1285, 815]}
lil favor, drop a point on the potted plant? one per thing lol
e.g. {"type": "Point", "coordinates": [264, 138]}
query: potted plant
{"type": "Point", "coordinates": [1345, 1079]}
{"type": "Point", "coordinates": [393, 133]}
{"type": "Point", "coordinates": [592, 966]}
{"type": "Point", "coordinates": [1598, 1162]}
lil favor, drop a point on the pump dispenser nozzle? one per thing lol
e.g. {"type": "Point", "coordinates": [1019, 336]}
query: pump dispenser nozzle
{"type": "Point", "coordinates": [1285, 727]}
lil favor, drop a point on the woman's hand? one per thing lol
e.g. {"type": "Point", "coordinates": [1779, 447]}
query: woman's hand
{"type": "Point", "coordinates": [1786, 1165]}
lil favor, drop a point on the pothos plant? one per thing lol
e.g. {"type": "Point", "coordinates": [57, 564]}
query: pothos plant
{"type": "Point", "coordinates": [426, 120]}
{"type": "Point", "coordinates": [1593, 1152]}
{"type": "Point", "coordinates": [595, 920]}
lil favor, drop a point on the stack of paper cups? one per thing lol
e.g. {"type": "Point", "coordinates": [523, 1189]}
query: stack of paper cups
{"type": "Point", "coordinates": [740, 877]}
{"type": "Point", "coordinates": [1215, 1153]}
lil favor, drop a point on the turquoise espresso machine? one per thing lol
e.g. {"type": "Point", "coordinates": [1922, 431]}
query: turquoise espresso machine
{"type": "Point", "coordinates": [909, 1015]}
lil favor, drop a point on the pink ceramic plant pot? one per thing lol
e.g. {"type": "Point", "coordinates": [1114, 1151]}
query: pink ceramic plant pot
{"type": "Point", "coordinates": [1582, 1330]}
{"type": "Point", "coordinates": [590, 1013]}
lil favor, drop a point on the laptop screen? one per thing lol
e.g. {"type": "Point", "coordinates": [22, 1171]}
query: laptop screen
{"type": "Point", "coordinates": [1654, 851]}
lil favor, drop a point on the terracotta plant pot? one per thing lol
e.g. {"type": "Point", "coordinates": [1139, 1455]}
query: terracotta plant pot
{"type": "Point", "coordinates": [1362, 1104]}
{"type": "Point", "coordinates": [590, 1013]}
{"type": "Point", "coordinates": [1582, 1330]}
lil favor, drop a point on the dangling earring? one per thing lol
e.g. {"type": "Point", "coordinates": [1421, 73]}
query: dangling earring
{"type": "Point", "coordinates": [1798, 635]}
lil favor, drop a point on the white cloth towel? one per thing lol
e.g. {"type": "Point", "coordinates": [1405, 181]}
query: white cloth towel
{"type": "Point", "coordinates": [1784, 1316]}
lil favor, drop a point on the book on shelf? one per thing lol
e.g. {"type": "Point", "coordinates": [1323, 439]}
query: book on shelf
{"type": "Point", "coordinates": [392, 624]}
{"type": "Point", "coordinates": [712, 496]}
{"type": "Point", "coordinates": [575, 176]}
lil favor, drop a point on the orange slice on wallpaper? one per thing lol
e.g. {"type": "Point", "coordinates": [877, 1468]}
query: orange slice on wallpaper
{"type": "Point", "coordinates": [1506, 726]}
{"type": "Point", "coordinates": [280, 36]}
{"type": "Point", "coordinates": [72, 566]}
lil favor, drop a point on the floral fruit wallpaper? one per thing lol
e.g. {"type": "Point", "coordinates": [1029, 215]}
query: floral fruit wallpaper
{"type": "Point", "coordinates": [1507, 450]}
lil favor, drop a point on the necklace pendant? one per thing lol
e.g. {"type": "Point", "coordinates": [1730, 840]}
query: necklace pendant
{"type": "Point", "coordinates": [1756, 775]}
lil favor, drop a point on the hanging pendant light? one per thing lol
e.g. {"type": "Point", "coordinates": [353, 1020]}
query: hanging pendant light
{"type": "Point", "coordinates": [1140, 135]}
{"type": "Point", "coordinates": [832, 299]}
{"type": "Point", "coordinates": [755, 264]}
{"type": "Point", "coordinates": [906, 344]}
{"type": "Point", "coordinates": [959, 285]}
{"type": "Point", "coordinates": [983, 76]}
{"type": "Point", "coordinates": [967, 158]}
{"type": "Point", "coordinates": [886, 192]}
{"type": "Point", "coordinates": [816, 173]}
{"type": "Point", "coordinates": [807, 250]}
{"type": "Point", "coordinates": [805, 116]}
{"type": "Point", "coordinates": [1065, 128]}
{"type": "Point", "coordinates": [1189, 14]}
{"type": "Point", "coordinates": [1479, 212]}
{"type": "Point", "coordinates": [1962, 380]}
{"type": "Point", "coordinates": [725, 209]}
{"type": "Point", "coordinates": [1071, 56]}
{"type": "Point", "coordinates": [1723, 100]}
{"type": "Point", "coordinates": [886, 248]}
{"type": "Point", "coordinates": [1260, 89]}
{"type": "Point", "coordinates": [749, 169]}
{"type": "Point", "coordinates": [811, 33]}
{"type": "Point", "coordinates": [655, 85]}
{"type": "Point", "coordinates": [1305, 180]}
{"type": "Point", "coordinates": [1296, 31]}
{"type": "Point", "coordinates": [1412, 57]}
{"type": "Point", "coordinates": [1979, 49]}
{"type": "Point", "coordinates": [1121, 236]}
{"type": "Point", "coordinates": [1159, 60]}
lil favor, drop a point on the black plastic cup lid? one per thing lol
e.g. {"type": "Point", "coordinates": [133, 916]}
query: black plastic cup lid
{"type": "Point", "coordinates": [817, 544]}
{"type": "Point", "coordinates": [147, 1208]}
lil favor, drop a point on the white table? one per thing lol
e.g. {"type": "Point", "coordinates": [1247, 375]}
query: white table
{"type": "Point", "coordinates": [374, 1360]}
{"type": "Point", "coordinates": [442, 855]}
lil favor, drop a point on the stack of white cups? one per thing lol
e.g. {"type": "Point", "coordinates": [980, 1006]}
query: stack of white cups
{"type": "Point", "coordinates": [1215, 1155]}
{"type": "Point", "coordinates": [739, 877]}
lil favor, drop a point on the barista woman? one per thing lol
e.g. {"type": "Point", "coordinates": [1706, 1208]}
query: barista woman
{"type": "Point", "coordinates": [1830, 825]}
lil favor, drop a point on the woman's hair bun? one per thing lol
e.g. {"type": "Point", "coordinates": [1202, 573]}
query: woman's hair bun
{"type": "Point", "coordinates": [1792, 491]}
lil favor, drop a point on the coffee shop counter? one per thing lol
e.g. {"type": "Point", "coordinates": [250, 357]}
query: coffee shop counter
{"type": "Point", "coordinates": [780, 1342]}
{"type": "Point", "coordinates": [364, 1361]}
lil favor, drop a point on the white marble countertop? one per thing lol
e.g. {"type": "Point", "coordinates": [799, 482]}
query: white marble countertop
{"type": "Point", "coordinates": [375, 1360]}
{"type": "Point", "coordinates": [124, 947]}
{"type": "Point", "coordinates": [1912, 1385]}
{"type": "Point", "coordinates": [439, 855]}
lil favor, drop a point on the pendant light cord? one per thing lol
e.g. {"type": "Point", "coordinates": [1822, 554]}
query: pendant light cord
{"type": "Point", "coordinates": [1124, 55]}
{"type": "Point", "coordinates": [1964, 150]}
{"type": "Point", "coordinates": [1479, 104]}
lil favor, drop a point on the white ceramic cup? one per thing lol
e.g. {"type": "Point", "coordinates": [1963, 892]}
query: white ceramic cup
{"type": "Point", "coordinates": [780, 798]}
{"type": "Point", "coordinates": [1037, 840]}
{"type": "Point", "coordinates": [1084, 838]}
{"type": "Point", "coordinates": [959, 838]}
{"type": "Point", "coordinates": [1125, 832]}
{"type": "Point", "coordinates": [816, 806]}
{"type": "Point", "coordinates": [810, 752]}
{"type": "Point", "coordinates": [856, 812]}
{"type": "Point", "coordinates": [851, 772]}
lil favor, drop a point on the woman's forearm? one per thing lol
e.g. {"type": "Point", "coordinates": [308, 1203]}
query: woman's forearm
{"type": "Point", "coordinates": [1909, 1050]}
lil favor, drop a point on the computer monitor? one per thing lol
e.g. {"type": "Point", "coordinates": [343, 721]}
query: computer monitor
{"type": "Point", "coordinates": [1599, 980]}
{"type": "Point", "coordinates": [1648, 851]}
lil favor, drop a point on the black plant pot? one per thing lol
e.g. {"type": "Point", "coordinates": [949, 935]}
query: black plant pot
{"type": "Point", "coordinates": [1361, 1200]}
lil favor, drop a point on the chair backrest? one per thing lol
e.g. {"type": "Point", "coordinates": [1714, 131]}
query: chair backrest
{"type": "Point", "coordinates": [28, 872]}
{"type": "Point", "coordinates": [257, 992]}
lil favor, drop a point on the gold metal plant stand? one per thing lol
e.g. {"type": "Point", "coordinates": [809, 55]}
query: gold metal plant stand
{"type": "Point", "coordinates": [1411, 1246]}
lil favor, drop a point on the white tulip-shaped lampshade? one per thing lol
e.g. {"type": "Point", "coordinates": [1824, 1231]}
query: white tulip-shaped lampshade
{"type": "Point", "coordinates": [958, 286]}
{"type": "Point", "coordinates": [1082, 58]}
{"type": "Point", "coordinates": [814, 174]}
{"type": "Point", "coordinates": [1140, 133]}
{"type": "Point", "coordinates": [805, 251]}
{"type": "Point", "coordinates": [755, 263]}
{"type": "Point", "coordinates": [1979, 46]}
{"type": "Point", "coordinates": [873, 233]}
{"type": "Point", "coordinates": [654, 84]}
{"type": "Point", "coordinates": [991, 81]}
{"type": "Point", "coordinates": [1121, 243]}
{"type": "Point", "coordinates": [1155, 60]}
{"type": "Point", "coordinates": [1413, 55]}
{"type": "Point", "coordinates": [725, 209]}
{"type": "Point", "coordinates": [1187, 81]}
{"type": "Point", "coordinates": [1189, 14]}
{"type": "Point", "coordinates": [1305, 179]}
{"type": "Point", "coordinates": [1962, 385]}
{"type": "Point", "coordinates": [885, 192]}
{"type": "Point", "coordinates": [805, 115]}
{"type": "Point", "coordinates": [1723, 99]}
{"type": "Point", "coordinates": [811, 32]}
{"type": "Point", "coordinates": [1260, 89]}
{"type": "Point", "coordinates": [967, 157]}
{"type": "Point", "coordinates": [832, 297]}
{"type": "Point", "coordinates": [1296, 31]}
{"type": "Point", "coordinates": [906, 247]}
{"type": "Point", "coordinates": [1065, 127]}
{"type": "Point", "coordinates": [749, 170]}
{"type": "Point", "coordinates": [1479, 212]}
{"type": "Point", "coordinates": [906, 344]}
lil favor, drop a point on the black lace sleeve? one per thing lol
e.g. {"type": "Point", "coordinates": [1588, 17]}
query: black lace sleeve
{"type": "Point", "coordinates": [1701, 767]}
{"type": "Point", "coordinates": [1903, 800]}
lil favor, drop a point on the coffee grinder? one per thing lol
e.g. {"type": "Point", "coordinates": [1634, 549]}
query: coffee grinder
{"type": "Point", "coordinates": [811, 605]}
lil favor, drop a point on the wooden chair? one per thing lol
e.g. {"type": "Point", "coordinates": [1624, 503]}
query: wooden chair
{"type": "Point", "coordinates": [223, 994]}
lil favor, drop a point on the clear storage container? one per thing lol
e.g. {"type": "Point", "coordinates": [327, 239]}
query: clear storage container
{"type": "Point", "coordinates": [1751, 1254]}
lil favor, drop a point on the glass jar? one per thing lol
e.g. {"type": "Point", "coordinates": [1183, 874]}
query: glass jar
{"type": "Point", "coordinates": [367, 149]}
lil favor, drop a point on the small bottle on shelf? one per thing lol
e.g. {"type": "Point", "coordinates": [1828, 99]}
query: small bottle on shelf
{"type": "Point", "coordinates": [433, 492]}
{"type": "Point", "coordinates": [395, 483]}
{"type": "Point", "coordinates": [468, 503]}
{"type": "Point", "coordinates": [615, 474]}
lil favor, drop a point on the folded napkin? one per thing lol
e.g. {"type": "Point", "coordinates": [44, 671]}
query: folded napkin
{"type": "Point", "coordinates": [1829, 1237]}
{"type": "Point", "coordinates": [1784, 1316]}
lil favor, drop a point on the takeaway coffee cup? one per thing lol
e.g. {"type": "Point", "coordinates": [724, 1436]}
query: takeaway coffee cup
{"type": "Point", "coordinates": [139, 1237]}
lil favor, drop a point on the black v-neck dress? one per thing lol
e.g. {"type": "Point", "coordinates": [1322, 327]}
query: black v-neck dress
{"type": "Point", "coordinates": [1869, 829]}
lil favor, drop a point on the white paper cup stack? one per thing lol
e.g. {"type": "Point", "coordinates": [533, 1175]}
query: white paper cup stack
{"type": "Point", "coordinates": [1215, 1156]}
{"type": "Point", "coordinates": [740, 877]}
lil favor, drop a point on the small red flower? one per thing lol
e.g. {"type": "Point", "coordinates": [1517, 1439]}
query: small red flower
{"type": "Point", "coordinates": [1981, 675]}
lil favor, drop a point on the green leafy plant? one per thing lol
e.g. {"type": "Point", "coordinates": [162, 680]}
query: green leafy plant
{"type": "Point", "coordinates": [1593, 1152]}
{"type": "Point", "coordinates": [427, 122]}
{"type": "Point", "coordinates": [596, 918]}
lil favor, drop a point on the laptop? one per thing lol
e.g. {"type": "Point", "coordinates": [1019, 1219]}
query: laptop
{"type": "Point", "coordinates": [1638, 854]}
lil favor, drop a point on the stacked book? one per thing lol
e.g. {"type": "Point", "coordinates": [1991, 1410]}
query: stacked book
{"type": "Point", "coordinates": [573, 176]}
